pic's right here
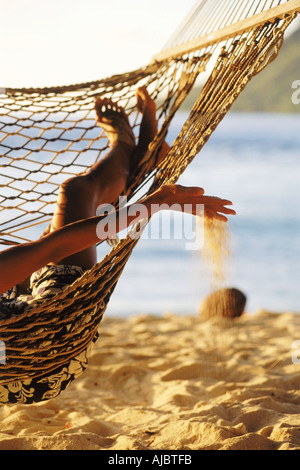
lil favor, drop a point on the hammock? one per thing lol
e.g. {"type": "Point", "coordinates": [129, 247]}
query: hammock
{"type": "Point", "coordinates": [48, 135]}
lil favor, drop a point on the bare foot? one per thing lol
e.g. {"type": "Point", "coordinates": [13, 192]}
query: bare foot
{"type": "Point", "coordinates": [148, 129]}
{"type": "Point", "coordinates": [147, 107]}
{"type": "Point", "coordinates": [114, 121]}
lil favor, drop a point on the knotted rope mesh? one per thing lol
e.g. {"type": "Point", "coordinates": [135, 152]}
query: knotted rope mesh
{"type": "Point", "coordinates": [48, 135]}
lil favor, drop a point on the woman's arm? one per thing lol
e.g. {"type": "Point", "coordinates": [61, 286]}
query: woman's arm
{"type": "Point", "coordinates": [19, 262]}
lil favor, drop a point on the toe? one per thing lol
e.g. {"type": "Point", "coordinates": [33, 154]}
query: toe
{"type": "Point", "coordinates": [142, 91]}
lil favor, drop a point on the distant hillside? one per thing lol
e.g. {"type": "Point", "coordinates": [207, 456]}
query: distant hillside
{"type": "Point", "coordinates": [271, 90]}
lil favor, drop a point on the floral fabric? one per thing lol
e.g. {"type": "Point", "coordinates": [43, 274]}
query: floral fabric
{"type": "Point", "coordinates": [44, 284]}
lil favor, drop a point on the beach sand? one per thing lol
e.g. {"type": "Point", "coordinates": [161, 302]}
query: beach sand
{"type": "Point", "coordinates": [174, 383]}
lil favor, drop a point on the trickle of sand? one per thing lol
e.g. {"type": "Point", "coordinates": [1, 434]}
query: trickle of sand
{"type": "Point", "coordinates": [216, 250]}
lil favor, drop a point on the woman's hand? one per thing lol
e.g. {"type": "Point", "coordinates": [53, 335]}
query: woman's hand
{"type": "Point", "coordinates": [188, 198]}
{"type": "Point", "coordinates": [214, 208]}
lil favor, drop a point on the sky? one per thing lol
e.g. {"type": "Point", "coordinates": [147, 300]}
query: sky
{"type": "Point", "coordinates": [62, 42]}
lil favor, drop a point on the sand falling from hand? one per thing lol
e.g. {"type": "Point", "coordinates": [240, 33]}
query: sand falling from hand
{"type": "Point", "coordinates": [215, 253]}
{"type": "Point", "coordinates": [216, 250]}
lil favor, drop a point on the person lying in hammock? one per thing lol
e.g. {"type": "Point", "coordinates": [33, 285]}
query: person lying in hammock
{"type": "Point", "coordinates": [32, 272]}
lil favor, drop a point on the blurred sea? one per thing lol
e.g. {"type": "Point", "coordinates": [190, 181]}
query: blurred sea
{"type": "Point", "coordinates": [253, 160]}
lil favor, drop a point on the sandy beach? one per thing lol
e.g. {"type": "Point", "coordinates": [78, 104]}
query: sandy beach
{"type": "Point", "coordinates": [174, 383]}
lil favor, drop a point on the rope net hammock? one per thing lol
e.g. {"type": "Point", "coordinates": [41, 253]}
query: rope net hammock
{"type": "Point", "coordinates": [48, 135]}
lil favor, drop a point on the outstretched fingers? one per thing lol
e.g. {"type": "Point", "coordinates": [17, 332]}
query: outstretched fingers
{"type": "Point", "coordinates": [212, 215]}
{"type": "Point", "coordinates": [217, 209]}
{"type": "Point", "coordinates": [214, 207]}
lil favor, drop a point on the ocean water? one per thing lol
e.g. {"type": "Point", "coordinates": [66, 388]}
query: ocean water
{"type": "Point", "coordinates": [253, 160]}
